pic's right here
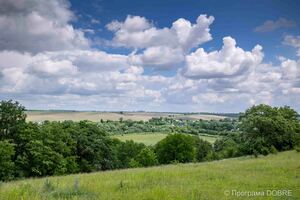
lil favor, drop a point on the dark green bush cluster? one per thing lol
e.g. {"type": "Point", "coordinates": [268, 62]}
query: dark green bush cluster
{"type": "Point", "coordinates": [182, 148]}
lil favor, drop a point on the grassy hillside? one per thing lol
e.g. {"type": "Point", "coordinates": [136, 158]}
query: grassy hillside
{"type": "Point", "coordinates": [153, 138]}
{"type": "Point", "coordinates": [211, 180]}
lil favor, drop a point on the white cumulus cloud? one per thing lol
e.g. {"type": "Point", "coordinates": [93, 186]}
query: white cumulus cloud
{"type": "Point", "coordinates": [45, 62]}
{"type": "Point", "coordinates": [293, 41]}
{"type": "Point", "coordinates": [138, 32]}
{"type": "Point", "coordinates": [229, 61]}
{"type": "Point", "coordinates": [38, 25]}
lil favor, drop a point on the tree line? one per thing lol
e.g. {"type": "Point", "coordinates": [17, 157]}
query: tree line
{"type": "Point", "coordinates": [170, 125]}
{"type": "Point", "coordinates": [30, 149]}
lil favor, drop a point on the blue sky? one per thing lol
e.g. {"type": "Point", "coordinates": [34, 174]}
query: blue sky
{"type": "Point", "coordinates": [237, 19]}
{"type": "Point", "coordinates": [215, 56]}
{"type": "Point", "coordinates": [232, 18]}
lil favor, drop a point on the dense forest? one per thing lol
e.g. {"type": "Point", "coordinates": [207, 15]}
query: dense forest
{"type": "Point", "coordinates": [30, 149]}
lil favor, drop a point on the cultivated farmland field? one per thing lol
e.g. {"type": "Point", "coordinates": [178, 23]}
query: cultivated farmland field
{"type": "Point", "coordinates": [211, 180]}
{"type": "Point", "coordinates": [37, 116]}
{"type": "Point", "coordinates": [153, 138]}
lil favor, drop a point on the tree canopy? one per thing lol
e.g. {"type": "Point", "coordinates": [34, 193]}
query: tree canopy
{"type": "Point", "coordinates": [267, 126]}
{"type": "Point", "coordinates": [176, 148]}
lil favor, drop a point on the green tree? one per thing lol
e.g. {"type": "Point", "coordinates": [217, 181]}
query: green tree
{"type": "Point", "coordinates": [146, 157]}
{"type": "Point", "coordinates": [42, 160]}
{"type": "Point", "coordinates": [94, 149]}
{"type": "Point", "coordinates": [6, 163]}
{"type": "Point", "coordinates": [133, 163]}
{"type": "Point", "coordinates": [203, 148]}
{"type": "Point", "coordinates": [12, 119]}
{"type": "Point", "coordinates": [176, 148]}
{"type": "Point", "coordinates": [45, 149]}
{"type": "Point", "coordinates": [277, 127]}
{"type": "Point", "coordinates": [226, 148]}
{"type": "Point", "coordinates": [128, 150]}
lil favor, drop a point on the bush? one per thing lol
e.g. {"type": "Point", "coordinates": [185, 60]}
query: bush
{"type": "Point", "coordinates": [128, 150]}
{"type": "Point", "coordinates": [146, 157]}
{"type": "Point", "coordinates": [273, 150]}
{"type": "Point", "coordinates": [177, 147]}
{"type": "Point", "coordinates": [212, 156]}
{"type": "Point", "coordinates": [133, 163]}
{"type": "Point", "coordinates": [265, 151]}
{"type": "Point", "coordinates": [203, 148]}
{"type": "Point", "coordinates": [226, 148]}
{"type": "Point", "coordinates": [6, 163]}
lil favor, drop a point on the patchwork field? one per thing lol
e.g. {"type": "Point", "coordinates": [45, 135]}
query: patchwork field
{"type": "Point", "coordinates": [153, 138]}
{"type": "Point", "coordinates": [37, 116]}
{"type": "Point", "coordinates": [239, 178]}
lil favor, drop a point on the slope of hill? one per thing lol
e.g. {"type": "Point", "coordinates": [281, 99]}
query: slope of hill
{"type": "Point", "coordinates": [272, 177]}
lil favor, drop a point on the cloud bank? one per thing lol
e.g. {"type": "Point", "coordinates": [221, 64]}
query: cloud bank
{"type": "Point", "coordinates": [47, 63]}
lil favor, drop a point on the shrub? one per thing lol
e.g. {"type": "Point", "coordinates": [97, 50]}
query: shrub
{"type": "Point", "coordinates": [212, 156]}
{"type": "Point", "coordinates": [265, 151]}
{"type": "Point", "coordinates": [273, 150]}
{"type": "Point", "coordinates": [128, 150]}
{"type": "Point", "coordinates": [226, 147]}
{"type": "Point", "coordinates": [177, 147]}
{"type": "Point", "coordinates": [133, 163]}
{"type": "Point", "coordinates": [146, 157]}
{"type": "Point", "coordinates": [203, 148]}
{"type": "Point", "coordinates": [6, 163]}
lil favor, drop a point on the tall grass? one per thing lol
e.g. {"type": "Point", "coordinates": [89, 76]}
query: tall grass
{"type": "Point", "coordinates": [211, 180]}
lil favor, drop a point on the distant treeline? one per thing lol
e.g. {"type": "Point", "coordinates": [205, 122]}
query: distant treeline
{"type": "Point", "coordinates": [168, 125]}
{"type": "Point", "coordinates": [30, 149]}
{"type": "Point", "coordinates": [230, 115]}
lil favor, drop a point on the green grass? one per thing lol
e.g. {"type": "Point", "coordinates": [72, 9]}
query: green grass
{"type": "Point", "coordinates": [146, 138]}
{"type": "Point", "coordinates": [209, 180]}
{"type": "Point", "coordinates": [153, 138]}
{"type": "Point", "coordinates": [209, 138]}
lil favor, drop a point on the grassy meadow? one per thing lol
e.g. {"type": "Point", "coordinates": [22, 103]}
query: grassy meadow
{"type": "Point", "coordinates": [153, 138]}
{"type": "Point", "coordinates": [146, 138]}
{"type": "Point", "coordinates": [209, 180]}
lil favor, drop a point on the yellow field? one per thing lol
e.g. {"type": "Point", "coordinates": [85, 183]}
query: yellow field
{"type": "Point", "coordinates": [37, 116]}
